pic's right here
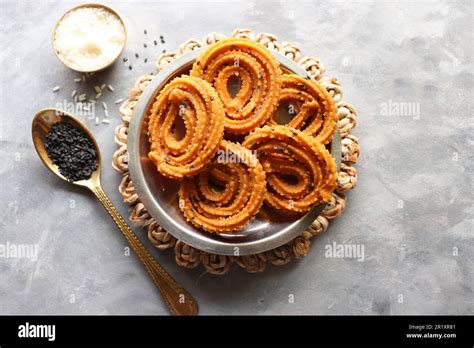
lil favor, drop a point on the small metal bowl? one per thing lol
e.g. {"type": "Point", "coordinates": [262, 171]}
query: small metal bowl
{"type": "Point", "coordinates": [160, 195]}
{"type": "Point", "coordinates": [107, 8]}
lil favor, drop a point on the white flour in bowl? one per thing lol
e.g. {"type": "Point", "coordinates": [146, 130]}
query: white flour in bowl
{"type": "Point", "coordinates": [89, 38]}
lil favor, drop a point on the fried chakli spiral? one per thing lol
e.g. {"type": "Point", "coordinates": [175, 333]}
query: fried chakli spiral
{"type": "Point", "coordinates": [315, 112]}
{"type": "Point", "coordinates": [260, 81]}
{"type": "Point", "coordinates": [202, 113]}
{"type": "Point", "coordinates": [300, 171]}
{"type": "Point", "coordinates": [227, 194]}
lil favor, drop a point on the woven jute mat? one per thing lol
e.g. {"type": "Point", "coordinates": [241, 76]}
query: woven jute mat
{"type": "Point", "coordinates": [189, 257]}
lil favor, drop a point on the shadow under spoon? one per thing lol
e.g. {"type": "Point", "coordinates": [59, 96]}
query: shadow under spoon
{"type": "Point", "coordinates": [177, 299]}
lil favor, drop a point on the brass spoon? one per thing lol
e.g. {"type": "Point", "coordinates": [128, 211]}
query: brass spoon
{"type": "Point", "coordinates": [178, 300]}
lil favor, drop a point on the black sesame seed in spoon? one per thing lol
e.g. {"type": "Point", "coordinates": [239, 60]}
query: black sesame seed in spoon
{"type": "Point", "coordinates": [72, 151]}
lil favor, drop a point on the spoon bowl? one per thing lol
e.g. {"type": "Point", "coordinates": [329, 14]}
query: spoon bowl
{"type": "Point", "coordinates": [177, 299]}
{"type": "Point", "coordinates": [42, 122]}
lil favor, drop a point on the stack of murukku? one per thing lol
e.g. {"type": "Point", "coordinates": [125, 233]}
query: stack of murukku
{"type": "Point", "coordinates": [197, 119]}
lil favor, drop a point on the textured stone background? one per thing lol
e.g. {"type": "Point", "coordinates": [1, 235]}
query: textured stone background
{"type": "Point", "coordinates": [419, 51]}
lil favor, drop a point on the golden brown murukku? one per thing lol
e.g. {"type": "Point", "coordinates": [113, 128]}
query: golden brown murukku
{"type": "Point", "coordinates": [260, 81]}
{"type": "Point", "coordinates": [300, 171]}
{"type": "Point", "coordinates": [312, 107]}
{"type": "Point", "coordinates": [224, 184]}
{"type": "Point", "coordinates": [227, 194]}
{"type": "Point", "coordinates": [197, 103]}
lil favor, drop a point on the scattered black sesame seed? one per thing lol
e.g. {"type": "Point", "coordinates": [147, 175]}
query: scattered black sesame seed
{"type": "Point", "coordinates": [144, 31]}
{"type": "Point", "coordinates": [161, 37]}
{"type": "Point", "coordinates": [146, 60]}
{"type": "Point", "coordinates": [130, 67]}
{"type": "Point", "coordinates": [136, 55]}
{"type": "Point", "coordinates": [144, 45]}
{"type": "Point", "coordinates": [164, 51]}
{"type": "Point", "coordinates": [155, 42]}
{"type": "Point", "coordinates": [125, 59]}
{"type": "Point", "coordinates": [72, 151]}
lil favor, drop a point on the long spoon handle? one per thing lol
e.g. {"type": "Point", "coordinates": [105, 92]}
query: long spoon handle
{"type": "Point", "coordinates": [178, 300]}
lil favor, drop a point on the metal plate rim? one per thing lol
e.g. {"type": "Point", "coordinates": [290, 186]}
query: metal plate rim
{"type": "Point", "coordinates": [154, 208]}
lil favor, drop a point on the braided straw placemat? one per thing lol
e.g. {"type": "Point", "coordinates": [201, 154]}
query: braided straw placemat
{"type": "Point", "coordinates": [189, 257]}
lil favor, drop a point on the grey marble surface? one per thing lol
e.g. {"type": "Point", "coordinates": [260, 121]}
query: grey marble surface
{"type": "Point", "coordinates": [412, 210]}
